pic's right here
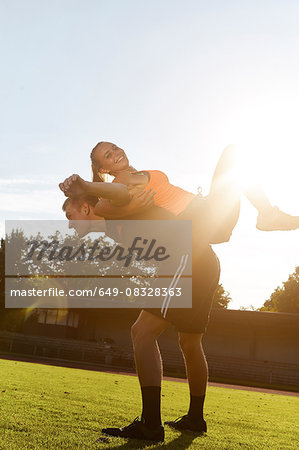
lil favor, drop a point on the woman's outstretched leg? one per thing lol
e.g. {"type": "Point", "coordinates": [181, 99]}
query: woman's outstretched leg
{"type": "Point", "coordinates": [224, 200]}
{"type": "Point", "coordinates": [270, 218]}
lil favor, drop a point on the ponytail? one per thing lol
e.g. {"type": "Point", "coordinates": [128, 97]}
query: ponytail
{"type": "Point", "coordinates": [95, 174]}
{"type": "Point", "coordinates": [96, 177]}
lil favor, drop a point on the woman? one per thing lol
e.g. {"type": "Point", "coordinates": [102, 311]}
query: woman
{"type": "Point", "coordinates": [220, 207]}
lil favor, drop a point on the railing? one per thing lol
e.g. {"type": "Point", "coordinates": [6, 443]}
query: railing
{"type": "Point", "coordinates": [230, 369]}
{"type": "Point", "coordinates": [65, 349]}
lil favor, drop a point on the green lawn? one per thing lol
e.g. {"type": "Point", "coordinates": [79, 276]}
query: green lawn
{"type": "Point", "coordinates": [48, 407]}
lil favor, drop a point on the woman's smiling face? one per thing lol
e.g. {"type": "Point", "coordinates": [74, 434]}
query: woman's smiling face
{"type": "Point", "coordinates": [110, 158]}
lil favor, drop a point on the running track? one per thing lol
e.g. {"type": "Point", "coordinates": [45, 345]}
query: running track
{"type": "Point", "coordinates": [75, 365]}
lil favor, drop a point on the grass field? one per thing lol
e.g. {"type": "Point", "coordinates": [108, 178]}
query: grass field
{"type": "Point", "coordinates": [48, 407]}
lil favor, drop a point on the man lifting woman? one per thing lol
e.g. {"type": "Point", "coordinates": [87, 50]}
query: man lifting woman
{"type": "Point", "coordinates": [148, 194]}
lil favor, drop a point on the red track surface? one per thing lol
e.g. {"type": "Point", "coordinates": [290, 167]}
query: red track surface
{"type": "Point", "coordinates": [77, 365]}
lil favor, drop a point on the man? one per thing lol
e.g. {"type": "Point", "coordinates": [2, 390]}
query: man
{"type": "Point", "coordinates": [81, 216]}
{"type": "Point", "coordinates": [149, 326]}
{"type": "Point", "coordinates": [190, 323]}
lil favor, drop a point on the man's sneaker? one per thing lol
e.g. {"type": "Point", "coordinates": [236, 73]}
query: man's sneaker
{"type": "Point", "coordinates": [137, 430]}
{"type": "Point", "coordinates": [276, 220]}
{"type": "Point", "coordinates": [185, 423]}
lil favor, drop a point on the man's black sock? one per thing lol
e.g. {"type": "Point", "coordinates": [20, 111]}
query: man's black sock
{"type": "Point", "coordinates": [151, 405]}
{"type": "Point", "coordinates": [196, 407]}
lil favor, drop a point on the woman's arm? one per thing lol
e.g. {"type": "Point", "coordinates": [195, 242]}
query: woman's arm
{"type": "Point", "coordinates": [138, 203]}
{"type": "Point", "coordinates": [75, 186]}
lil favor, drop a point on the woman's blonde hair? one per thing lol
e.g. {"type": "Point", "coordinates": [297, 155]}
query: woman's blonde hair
{"type": "Point", "coordinates": [95, 167]}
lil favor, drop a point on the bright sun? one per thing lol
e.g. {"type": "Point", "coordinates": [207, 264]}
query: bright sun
{"type": "Point", "coordinates": [269, 151]}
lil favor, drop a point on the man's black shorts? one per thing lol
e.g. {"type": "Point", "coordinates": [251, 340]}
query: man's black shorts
{"type": "Point", "coordinates": [205, 269]}
{"type": "Point", "coordinates": [205, 278]}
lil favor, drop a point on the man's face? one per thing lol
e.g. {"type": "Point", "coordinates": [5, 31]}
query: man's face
{"type": "Point", "coordinates": [78, 218]}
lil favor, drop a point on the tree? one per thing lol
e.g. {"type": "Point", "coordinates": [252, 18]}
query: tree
{"type": "Point", "coordinates": [249, 308]}
{"type": "Point", "coordinates": [10, 319]}
{"type": "Point", "coordinates": [2, 274]}
{"type": "Point", "coordinates": [221, 298]}
{"type": "Point", "coordinates": [285, 298]}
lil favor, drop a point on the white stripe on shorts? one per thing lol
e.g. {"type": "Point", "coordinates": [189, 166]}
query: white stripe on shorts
{"type": "Point", "coordinates": [173, 284]}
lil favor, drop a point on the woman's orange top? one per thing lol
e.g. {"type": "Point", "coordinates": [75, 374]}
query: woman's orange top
{"type": "Point", "coordinates": [168, 196]}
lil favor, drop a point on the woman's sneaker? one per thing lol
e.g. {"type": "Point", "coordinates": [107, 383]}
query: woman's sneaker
{"type": "Point", "coordinates": [276, 220]}
{"type": "Point", "coordinates": [185, 423]}
{"type": "Point", "coordinates": [137, 430]}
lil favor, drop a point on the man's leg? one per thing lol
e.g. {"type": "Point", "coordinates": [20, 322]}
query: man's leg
{"type": "Point", "coordinates": [145, 332]}
{"type": "Point", "coordinates": [195, 362]}
{"type": "Point", "coordinates": [197, 375]}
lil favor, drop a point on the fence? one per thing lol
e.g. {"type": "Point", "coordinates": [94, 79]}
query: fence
{"type": "Point", "coordinates": [221, 368]}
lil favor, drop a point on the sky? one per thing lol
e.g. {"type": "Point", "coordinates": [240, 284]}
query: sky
{"type": "Point", "coordinates": [172, 83]}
